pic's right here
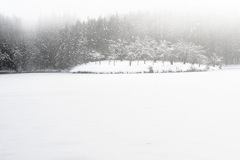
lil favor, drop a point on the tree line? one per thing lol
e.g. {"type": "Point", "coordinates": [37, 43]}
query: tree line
{"type": "Point", "coordinates": [132, 37]}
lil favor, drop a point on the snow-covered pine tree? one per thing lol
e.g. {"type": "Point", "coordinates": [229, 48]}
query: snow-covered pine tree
{"type": "Point", "coordinates": [5, 61]}
{"type": "Point", "coordinates": [32, 52]}
{"type": "Point", "coordinates": [48, 43]}
{"type": "Point", "coordinates": [82, 50]}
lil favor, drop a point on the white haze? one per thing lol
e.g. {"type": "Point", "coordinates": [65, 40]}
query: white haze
{"type": "Point", "coordinates": [30, 10]}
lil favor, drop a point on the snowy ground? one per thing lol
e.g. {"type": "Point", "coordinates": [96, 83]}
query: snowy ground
{"type": "Point", "coordinates": [123, 67]}
{"type": "Point", "coordinates": [59, 116]}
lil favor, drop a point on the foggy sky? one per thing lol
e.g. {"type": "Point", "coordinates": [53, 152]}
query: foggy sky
{"type": "Point", "coordinates": [30, 10]}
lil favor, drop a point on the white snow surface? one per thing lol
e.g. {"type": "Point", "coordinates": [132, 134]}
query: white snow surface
{"type": "Point", "coordinates": [60, 116]}
{"type": "Point", "coordinates": [137, 67]}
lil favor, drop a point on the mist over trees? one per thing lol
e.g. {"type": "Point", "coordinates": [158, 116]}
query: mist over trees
{"type": "Point", "coordinates": [133, 37]}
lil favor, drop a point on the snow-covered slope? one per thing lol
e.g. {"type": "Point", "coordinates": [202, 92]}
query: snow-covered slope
{"type": "Point", "coordinates": [190, 116]}
{"type": "Point", "coordinates": [124, 67]}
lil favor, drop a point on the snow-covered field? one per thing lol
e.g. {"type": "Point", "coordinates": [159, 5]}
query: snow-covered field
{"type": "Point", "coordinates": [138, 67]}
{"type": "Point", "coordinates": [60, 116]}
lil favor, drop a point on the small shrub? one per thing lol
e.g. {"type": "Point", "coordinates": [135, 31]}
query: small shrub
{"type": "Point", "coordinates": [150, 68]}
{"type": "Point", "coordinates": [207, 67]}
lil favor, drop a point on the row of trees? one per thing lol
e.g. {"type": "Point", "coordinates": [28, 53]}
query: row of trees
{"type": "Point", "coordinates": [130, 37]}
{"type": "Point", "coordinates": [148, 49]}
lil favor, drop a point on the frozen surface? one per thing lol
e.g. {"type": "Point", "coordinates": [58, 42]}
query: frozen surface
{"type": "Point", "coordinates": [136, 67]}
{"type": "Point", "coordinates": [231, 67]}
{"type": "Point", "coordinates": [174, 116]}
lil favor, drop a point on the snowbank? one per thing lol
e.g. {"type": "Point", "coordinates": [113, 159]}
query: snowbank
{"type": "Point", "coordinates": [138, 67]}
